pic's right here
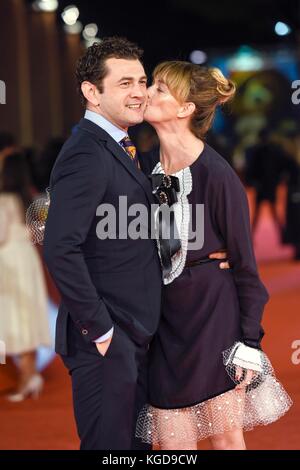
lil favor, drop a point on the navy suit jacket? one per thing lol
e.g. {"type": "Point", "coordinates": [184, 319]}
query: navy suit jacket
{"type": "Point", "coordinates": [108, 281]}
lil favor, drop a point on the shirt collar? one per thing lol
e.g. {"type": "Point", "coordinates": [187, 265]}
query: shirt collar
{"type": "Point", "coordinates": [115, 132]}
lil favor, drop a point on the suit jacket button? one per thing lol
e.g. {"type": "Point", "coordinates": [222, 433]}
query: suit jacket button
{"type": "Point", "coordinates": [84, 332]}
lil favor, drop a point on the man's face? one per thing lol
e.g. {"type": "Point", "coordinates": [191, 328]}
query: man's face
{"type": "Point", "coordinates": [124, 94]}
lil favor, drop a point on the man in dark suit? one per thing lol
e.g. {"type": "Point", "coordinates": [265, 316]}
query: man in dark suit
{"type": "Point", "coordinates": [110, 287]}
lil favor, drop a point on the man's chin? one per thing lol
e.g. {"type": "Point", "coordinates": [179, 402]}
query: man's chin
{"type": "Point", "coordinates": [137, 120]}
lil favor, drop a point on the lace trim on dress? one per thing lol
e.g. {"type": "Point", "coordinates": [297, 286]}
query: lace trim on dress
{"type": "Point", "coordinates": [182, 217]}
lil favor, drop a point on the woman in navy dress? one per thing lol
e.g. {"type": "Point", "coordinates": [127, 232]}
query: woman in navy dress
{"type": "Point", "coordinates": [208, 376]}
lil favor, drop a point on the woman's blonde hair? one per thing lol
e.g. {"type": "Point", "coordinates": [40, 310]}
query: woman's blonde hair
{"type": "Point", "coordinates": [205, 87]}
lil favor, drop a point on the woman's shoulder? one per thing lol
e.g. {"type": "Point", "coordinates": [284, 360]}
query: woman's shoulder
{"type": "Point", "coordinates": [219, 169]}
{"type": "Point", "coordinates": [214, 161]}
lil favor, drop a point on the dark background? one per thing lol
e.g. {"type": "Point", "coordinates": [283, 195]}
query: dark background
{"type": "Point", "coordinates": [169, 29]}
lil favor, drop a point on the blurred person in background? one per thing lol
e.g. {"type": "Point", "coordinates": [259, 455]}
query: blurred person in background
{"type": "Point", "coordinates": [7, 146]}
{"type": "Point", "coordinates": [46, 160]}
{"type": "Point", "coordinates": [291, 233]}
{"type": "Point", "coordinates": [31, 157]}
{"type": "Point", "coordinates": [265, 164]}
{"type": "Point", "coordinates": [40, 163]}
{"type": "Point", "coordinates": [23, 297]}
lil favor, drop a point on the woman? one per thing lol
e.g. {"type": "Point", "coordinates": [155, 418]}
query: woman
{"type": "Point", "coordinates": [207, 375]}
{"type": "Point", "coordinates": [23, 297]}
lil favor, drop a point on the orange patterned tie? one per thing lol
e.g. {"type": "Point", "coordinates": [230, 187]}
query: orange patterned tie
{"type": "Point", "coordinates": [130, 150]}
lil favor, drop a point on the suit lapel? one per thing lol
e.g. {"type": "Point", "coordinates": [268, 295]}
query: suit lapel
{"type": "Point", "coordinates": [119, 153]}
{"type": "Point", "coordinates": [137, 174]}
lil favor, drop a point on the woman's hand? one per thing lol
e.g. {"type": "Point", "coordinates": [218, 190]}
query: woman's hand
{"type": "Point", "coordinates": [250, 374]}
{"type": "Point", "coordinates": [222, 254]}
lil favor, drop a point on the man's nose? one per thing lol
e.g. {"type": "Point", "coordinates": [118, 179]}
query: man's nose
{"type": "Point", "coordinates": [139, 91]}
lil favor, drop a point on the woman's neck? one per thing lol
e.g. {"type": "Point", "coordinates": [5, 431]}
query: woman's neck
{"type": "Point", "coordinates": [178, 149]}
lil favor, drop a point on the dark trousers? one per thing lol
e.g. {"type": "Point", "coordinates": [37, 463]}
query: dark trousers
{"type": "Point", "coordinates": [108, 392]}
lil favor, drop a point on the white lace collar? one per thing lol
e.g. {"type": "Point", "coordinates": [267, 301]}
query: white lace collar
{"type": "Point", "coordinates": [182, 217]}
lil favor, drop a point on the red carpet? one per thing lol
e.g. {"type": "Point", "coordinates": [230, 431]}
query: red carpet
{"type": "Point", "coordinates": [47, 423]}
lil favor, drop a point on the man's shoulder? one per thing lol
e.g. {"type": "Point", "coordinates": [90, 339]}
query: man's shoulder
{"type": "Point", "coordinates": [80, 150]}
{"type": "Point", "coordinates": [82, 139]}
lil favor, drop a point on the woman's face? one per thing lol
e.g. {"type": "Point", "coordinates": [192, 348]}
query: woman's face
{"type": "Point", "coordinates": [161, 105]}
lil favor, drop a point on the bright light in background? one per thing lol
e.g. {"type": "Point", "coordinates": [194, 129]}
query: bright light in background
{"type": "Point", "coordinates": [91, 41]}
{"type": "Point", "coordinates": [73, 28]}
{"type": "Point", "coordinates": [70, 15]}
{"type": "Point", "coordinates": [90, 34]}
{"type": "Point", "coordinates": [45, 5]}
{"type": "Point", "coordinates": [246, 59]}
{"type": "Point", "coordinates": [198, 57]}
{"type": "Point", "coordinates": [90, 31]}
{"type": "Point", "coordinates": [282, 29]}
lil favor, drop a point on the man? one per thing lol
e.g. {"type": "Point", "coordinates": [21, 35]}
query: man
{"type": "Point", "coordinates": [110, 288]}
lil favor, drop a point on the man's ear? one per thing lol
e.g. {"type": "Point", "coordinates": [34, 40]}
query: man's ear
{"type": "Point", "coordinates": [187, 109]}
{"type": "Point", "coordinates": [90, 92]}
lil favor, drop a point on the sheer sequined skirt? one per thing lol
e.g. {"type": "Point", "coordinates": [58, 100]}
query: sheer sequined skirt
{"type": "Point", "coordinates": [236, 409]}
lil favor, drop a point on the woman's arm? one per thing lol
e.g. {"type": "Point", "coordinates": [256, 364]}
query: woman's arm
{"type": "Point", "coordinates": [234, 224]}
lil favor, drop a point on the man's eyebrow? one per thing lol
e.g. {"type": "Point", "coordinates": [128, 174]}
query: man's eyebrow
{"type": "Point", "coordinates": [144, 77]}
{"type": "Point", "coordinates": [125, 78]}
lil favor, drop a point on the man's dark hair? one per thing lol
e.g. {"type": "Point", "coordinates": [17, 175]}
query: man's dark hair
{"type": "Point", "coordinates": [91, 66]}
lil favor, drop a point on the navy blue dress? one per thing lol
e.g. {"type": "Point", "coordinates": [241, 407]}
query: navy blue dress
{"type": "Point", "coordinates": [205, 310]}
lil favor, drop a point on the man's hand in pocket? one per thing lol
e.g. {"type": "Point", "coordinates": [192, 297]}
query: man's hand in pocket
{"type": "Point", "coordinates": [103, 347]}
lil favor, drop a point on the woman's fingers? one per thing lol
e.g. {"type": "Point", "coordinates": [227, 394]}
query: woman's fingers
{"type": "Point", "coordinates": [221, 255]}
{"type": "Point", "coordinates": [238, 373]}
{"type": "Point", "coordinates": [218, 255]}
{"type": "Point", "coordinates": [247, 379]}
{"type": "Point", "coordinates": [225, 265]}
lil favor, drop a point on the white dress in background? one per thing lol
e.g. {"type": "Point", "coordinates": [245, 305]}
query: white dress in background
{"type": "Point", "coordinates": [23, 295]}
